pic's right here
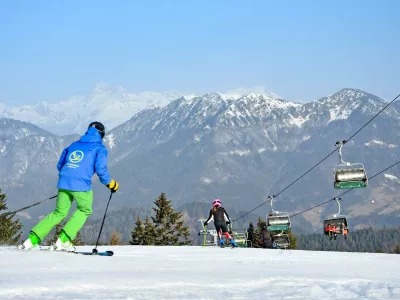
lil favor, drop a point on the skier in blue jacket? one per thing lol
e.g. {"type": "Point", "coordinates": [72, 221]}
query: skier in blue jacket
{"type": "Point", "coordinates": [76, 166]}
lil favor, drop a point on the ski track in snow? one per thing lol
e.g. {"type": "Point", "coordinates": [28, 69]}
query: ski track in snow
{"type": "Point", "coordinates": [136, 272]}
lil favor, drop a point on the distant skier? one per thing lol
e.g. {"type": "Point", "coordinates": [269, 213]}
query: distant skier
{"type": "Point", "coordinates": [76, 166]}
{"type": "Point", "coordinates": [330, 230]}
{"type": "Point", "coordinates": [266, 239]}
{"type": "Point", "coordinates": [345, 230]}
{"type": "Point", "coordinates": [221, 219]}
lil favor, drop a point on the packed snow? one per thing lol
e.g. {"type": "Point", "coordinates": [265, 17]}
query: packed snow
{"type": "Point", "coordinates": [145, 272]}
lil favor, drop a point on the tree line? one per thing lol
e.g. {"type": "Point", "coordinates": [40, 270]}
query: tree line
{"type": "Point", "coordinates": [165, 226]}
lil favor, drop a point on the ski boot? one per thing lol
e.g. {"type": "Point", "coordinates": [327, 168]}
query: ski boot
{"type": "Point", "coordinates": [32, 242]}
{"type": "Point", "coordinates": [63, 243]}
{"type": "Point", "coordinates": [221, 243]}
{"type": "Point", "coordinates": [233, 243]}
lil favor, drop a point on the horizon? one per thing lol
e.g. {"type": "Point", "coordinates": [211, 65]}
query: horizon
{"type": "Point", "coordinates": [231, 94]}
{"type": "Point", "coordinates": [300, 51]}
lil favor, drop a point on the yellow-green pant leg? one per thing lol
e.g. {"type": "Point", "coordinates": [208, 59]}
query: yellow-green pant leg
{"type": "Point", "coordinates": [84, 202]}
{"type": "Point", "coordinates": [63, 206]}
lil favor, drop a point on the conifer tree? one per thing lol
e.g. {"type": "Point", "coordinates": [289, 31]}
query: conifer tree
{"type": "Point", "coordinates": [78, 240]}
{"type": "Point", "coordinates": [149, 237]}
{"type": "Point", "coordinates": [397, 249]}
{"type": "Point", "coordinates": [57, 231]}
{"type": "Point", "coordinates": [10, 231]}
{"type": "Point", "coordinates": [115, 238]}
{"type": "Point", "coordinates": [257, 231]}
{"type": "Point", "coordinates": [137, 233]}
{"type": "Point", "coordinates": [169, 228]}
{"type": "Point", "coordinates": [292, 240]}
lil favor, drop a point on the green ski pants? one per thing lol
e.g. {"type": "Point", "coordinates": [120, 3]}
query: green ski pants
{"type": "Point", "coordinates": [84, 202]}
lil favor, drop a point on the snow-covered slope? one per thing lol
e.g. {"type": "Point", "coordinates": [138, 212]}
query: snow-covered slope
{"type": "Point", "coordinates": [136, 272]}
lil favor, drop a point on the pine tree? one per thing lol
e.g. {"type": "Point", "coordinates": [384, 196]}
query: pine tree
{"type": "Point", "coordinates": [257, 231]}
{"type": "Point", "coordinates": [169, 228]}
{"type": "Point", "coordinates": [137, 233]}
{"type": "Point", "coordinates": [149, 236]}
{"type": "Point", "coordinates": [10, 231]}
{"type": "Point", "coordinates": [78, 240]}
{"type": "Point", "coordinates": [115, 238]}
{"type": "Point", "coordinates": [292, 240]}
{"type": "Point", "coordinates": [56, 233]}
{"type": "Point", "coordinates": [397, 249]}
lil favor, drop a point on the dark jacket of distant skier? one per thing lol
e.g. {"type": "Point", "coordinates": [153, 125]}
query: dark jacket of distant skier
{"type": "Point", "coordinates": [220, 217]}
{"type": "Point", "coordinates": [266, 239]}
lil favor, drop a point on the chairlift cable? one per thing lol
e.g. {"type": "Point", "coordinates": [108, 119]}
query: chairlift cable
{"type": "Point", "coordinates": [268, 200]}
{"type": "Point", "coordinates": [372, 118]}
{"type": "Point", "coordinates": [322, 160]}
{"type": "Point", "coordinates": [344, 142]}
{"type": "Point", "coordinates": [306, 210]}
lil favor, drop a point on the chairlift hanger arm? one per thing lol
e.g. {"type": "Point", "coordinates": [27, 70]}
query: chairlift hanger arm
{"type": "Point", "coordinates": [337, 200]}
{"type": "Point", "coordinates": [340, 152]}
{"type": "Point", "coordinates": [271, 200]}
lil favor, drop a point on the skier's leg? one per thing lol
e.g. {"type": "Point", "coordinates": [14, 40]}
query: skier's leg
{"type": "Point", "coordinates": [228, 236]}
{"type": "Point", "coordinates": [63, 205]}
{"type": "Point", "coordinates": [84, 202]}
{"type": "Point", "coordinates": [219, 232]}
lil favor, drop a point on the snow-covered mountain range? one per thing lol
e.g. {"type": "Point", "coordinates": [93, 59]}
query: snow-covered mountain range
{"type": "Point", "coordinates": [240, 149]}
{"type": "Point", "coordinates": [112, 105]}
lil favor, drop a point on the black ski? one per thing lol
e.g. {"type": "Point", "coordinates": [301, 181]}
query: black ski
{"type": "Point", "coordinates": [103, 253]}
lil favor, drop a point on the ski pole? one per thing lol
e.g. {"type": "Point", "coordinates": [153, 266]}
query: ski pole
{"type": "Point", "coordinates": [29, 206]}
{"type": "Point", "coordinates": [194, 240]}
{"type": "Point", "coordinates": [94, 251]}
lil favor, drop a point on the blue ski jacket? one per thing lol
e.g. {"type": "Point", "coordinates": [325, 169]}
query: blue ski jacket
{"type": "Point", "coordinates": [81, 160]}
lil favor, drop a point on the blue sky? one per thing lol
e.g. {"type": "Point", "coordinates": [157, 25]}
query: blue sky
{"type": "Point", "coordinates": [301, 50]}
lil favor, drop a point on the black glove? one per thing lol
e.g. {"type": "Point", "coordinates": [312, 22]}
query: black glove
{"type": "Point", "coordinates": [205, 224]}
{"type": "Point", "coordinates": [113, 186]}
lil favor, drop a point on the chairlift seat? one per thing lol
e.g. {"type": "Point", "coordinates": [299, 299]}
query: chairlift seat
{"type": "Point", "coordinates": [349, 176]}
{"type": "Point", "coordinates": [282, 241]}
{"type": "Point", "coordinates": [240, 238]}
{"type": "Point", "coordinates": [278, 228]}
{"type": "Point", "coordinates": [337, 222]}
{"type": "Point", "coordinates": [209, 237]}
{"type": "Point", "coordinates": [275, 218]}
